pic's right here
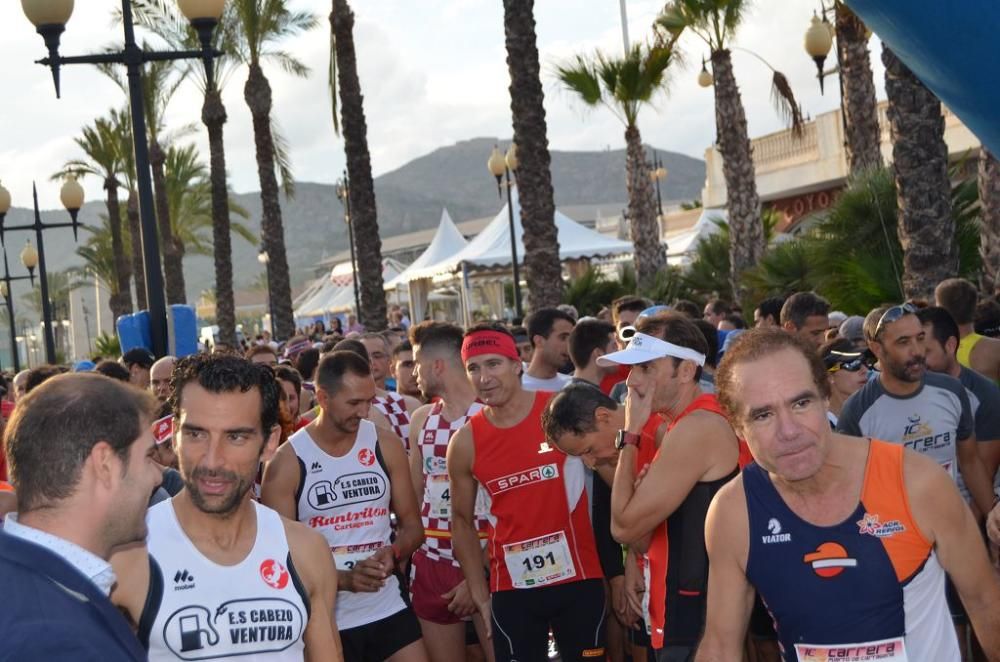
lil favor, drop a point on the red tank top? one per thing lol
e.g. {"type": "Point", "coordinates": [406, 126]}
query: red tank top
{"type": "Point", "coordinates": [540, 532]}
{"type": "Point", "coordinates": [659, 546]}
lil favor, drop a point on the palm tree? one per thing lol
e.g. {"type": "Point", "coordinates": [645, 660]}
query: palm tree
{"type": "Point", "coordinates": [542, 268]}
{"type": "Point", "coordinates": [625, 85]}
{"type": "Point", "coordinates": [101, 144]}
{"type": "Point", "coordinates": [99, 258]}
{"type": "Point", "coordinates": [260, 24]}
{"type": "Point", "coordinates": [162, 17]}
{"type": "Point", "coordinates": [989, 201]}
{"type": "Point", "coordinates": [863, 137]}
{"type": "Point", "coordinates": [361, 192]}
{"type": "Point", "coordinates": [715, 22]}
{"type": "Point", "coordinates": [920, 163]}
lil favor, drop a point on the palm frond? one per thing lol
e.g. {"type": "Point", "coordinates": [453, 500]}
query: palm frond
{"type": "Point", "coordinates": [579, 77]}
{"type": "Point", "coordinates": [331, 82]}
{"type": "Point", "coordinates": [784, 102]}
{"type": "Point", "coordinates": [282, 158]}
{"type": "Point", "coordinates": [287, 62]}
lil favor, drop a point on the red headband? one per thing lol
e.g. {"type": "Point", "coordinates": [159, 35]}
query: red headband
{"type": "Point", "coordinates": [489, 342]}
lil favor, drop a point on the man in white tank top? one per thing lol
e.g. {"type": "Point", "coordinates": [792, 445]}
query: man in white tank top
{"type": "Point", "coordinates": [342, 476]}
{"type": "Point", "coordinates": [222, 576]}
{"type": "Point", "coordinates": [441, 596]}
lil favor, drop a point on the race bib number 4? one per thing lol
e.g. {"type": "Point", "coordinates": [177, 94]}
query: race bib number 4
{"type": "Point", "coordinates": [891, 650]}
{"type": "Point", "coordinates": [439, 497]}
{"type": "Point", "coordinates": [346, 556]}
{"type": "Point", "coordinates": [539, 561]}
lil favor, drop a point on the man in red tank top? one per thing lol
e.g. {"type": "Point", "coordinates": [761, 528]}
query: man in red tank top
{"type": "Point", "coordinates": [698, 453]}
{"type": "Point", "coordinates": [543, 569]}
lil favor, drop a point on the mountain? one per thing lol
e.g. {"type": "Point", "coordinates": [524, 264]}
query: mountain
{"type": "Point", "coordinates": [409, 198]}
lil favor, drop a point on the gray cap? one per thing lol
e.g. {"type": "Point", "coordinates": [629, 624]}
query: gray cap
{"type": "Point", "coordinates": [853, 328]}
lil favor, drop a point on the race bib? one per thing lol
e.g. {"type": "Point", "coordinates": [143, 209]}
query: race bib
{"type": "Point", "coordinates": [346, 556]}
{"type": "Point", "coordinates": [539, 561]}
{"type": "Point", "coordinates": [439, 497]}
{"type": "Point", "coordinates": [872, 651]}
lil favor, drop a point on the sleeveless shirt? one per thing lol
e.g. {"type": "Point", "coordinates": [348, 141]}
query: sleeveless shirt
{"type": "Point", "coordinates": [347, 499]}
{"type": "Point", "coordinates": [869, 588]}
{"type": "Point", "coordinates": [435, 509]}
{"type": "Point", "coordinates": [678, 560]}
{"type": "Point", "coordinates": [196, 609]}
{"type": "Point", "coordinates": [965, 346]}
{"type": "Point", "coordinates": [393, 407]}
{"type": "Point", "coordinates": [540, 532]}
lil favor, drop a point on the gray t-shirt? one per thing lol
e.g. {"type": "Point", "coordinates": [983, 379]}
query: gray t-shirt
{"type": "Point", "coordinates": [984, 397]}
{"type": "Point", "coordinates": [931, 421]}
{"type": "Point", "coordinates": [552, 384]}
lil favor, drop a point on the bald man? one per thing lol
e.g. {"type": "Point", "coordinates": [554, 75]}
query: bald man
{"type": "Point", "coordinates": [20, 382]}
{"type": "Point", "coordinates": [159, 377]}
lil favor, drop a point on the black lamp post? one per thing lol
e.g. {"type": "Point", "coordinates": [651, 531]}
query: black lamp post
{"type": "Point", "coordinates": [72, 198]}
{"type": "Point", "coordinates": [49, 18]}
{"type": "Point", "coordinates": [503, 168]}
{"type": "Point", "coordinates": [344, 195]}
{"type": "Point", "coordinates": [5, 292]}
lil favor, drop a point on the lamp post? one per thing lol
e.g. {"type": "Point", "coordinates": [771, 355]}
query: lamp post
{"type": "Point", "coordinates": [818, 42]}
{"type": "Point", "coordinates": [8, 297]}
{"type": "Point", "coordinates": [344, 195]}
{"type": "Point", "coordinates": [264, 258]}
{"type": "Point", "coordinates": [49, 18]}
{"type": "Point", "coordinates": [502, 167]}
{"type": "Point", "coordinates": [705, 77]}
{"type": "Point", "coordinates": [658, 174]}
{"type": "Point", "coordinates": [71, 195]}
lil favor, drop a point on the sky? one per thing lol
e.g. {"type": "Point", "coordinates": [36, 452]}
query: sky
{"type": "Point", "coordinates": [433, 73]}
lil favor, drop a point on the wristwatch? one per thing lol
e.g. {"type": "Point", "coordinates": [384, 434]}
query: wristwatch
{"type": "Point", "coordinates": [627, 439]}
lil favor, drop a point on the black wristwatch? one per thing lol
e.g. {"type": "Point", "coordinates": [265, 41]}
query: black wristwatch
{"type": "Point", "coordinates": [627, 439]}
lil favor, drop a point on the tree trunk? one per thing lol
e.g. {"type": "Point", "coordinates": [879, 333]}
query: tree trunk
{"type": "Point", "coordinates": [361, 192]}
{"type": "Point", "coordinates": [989, 215]}
{"type": "Point", "coordinates": [923, 192]}
{"type": "Point", "coordinates": [120, 299]}
{"type": "Point", "coordinates": [746, 229]}
{"type": "Point", "coordinates": [173, 267]}
{"type": "Point", "coordinates": [644, 222]}
{"type": "Point", "coordinates": [213, 116]}
{"type": "Point", "coordinates": [863, 139]}
{"type": "Point", "coordinates": [542, 269]}
{"type": "Point", "coordinates": [138, 269]}
{"type": "Point", "coordinates": [257, 93]}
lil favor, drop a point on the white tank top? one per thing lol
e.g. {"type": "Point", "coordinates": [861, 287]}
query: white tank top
{"type": "Point", "coordinates": [347, 499]}
{"type": "Point", "coordinates": [256, 610]}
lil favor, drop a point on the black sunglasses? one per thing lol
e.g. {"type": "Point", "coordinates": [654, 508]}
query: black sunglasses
{"type": "Point", "coordinates": [893, 315]}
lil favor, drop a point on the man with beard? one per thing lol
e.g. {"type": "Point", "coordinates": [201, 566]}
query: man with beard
{"type": "Point", "coordinates": [342, 476]}
{"type": "Point", "coordinates": [924, 411]}
{"type": "Point", "coordinates": [225, 576]}
{"type": "Point", "coordinates": [402, 370]}
{"type": "Point", "coordinates": [441, 597]}
{"type": "Point", "coordinates": [79, 450]}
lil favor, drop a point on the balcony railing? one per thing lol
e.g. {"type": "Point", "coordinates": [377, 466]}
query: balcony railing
{"type": "Point", "coordinates": [782, 149]}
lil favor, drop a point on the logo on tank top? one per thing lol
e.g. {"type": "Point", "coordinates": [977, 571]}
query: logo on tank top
{"type": "Point", "coordinates": [366, 457]}
{"type": "Point", "coordinates": [829, 560]}
{"type": "Point", "coordinates": [776, 536]}
{"type": "Point", "coordinates": [347, 490]}
{"type": "Point", "coordinates": [316, 468]}
{"type": "Point", "coordinates": [523, 478]}
{"type": "Point", "coordinates": [435, 465]}
{"type": "Point", "coordinates": [871, 526]}
{"type": "Point", "coordinates": [274, 574]}
{"type": "Point", "coordinates": [236, 627]}
{"type": "Point", "coordinates": [919, 436]}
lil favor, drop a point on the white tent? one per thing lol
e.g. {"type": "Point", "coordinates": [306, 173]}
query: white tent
{"type": "Point", "coordinates": [447, 241]}
{"type": "Point", "coordinates": [491, 247]}
{"type": "Point", "coordinates": [681, 247]}
{"type": "Point", "coordinates": [337, 293]}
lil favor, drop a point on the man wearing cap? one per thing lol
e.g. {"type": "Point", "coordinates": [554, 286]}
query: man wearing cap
{"type": "Point", "coordinates": [138, 361]}
{"type": "Point", "coordinates": [698, 454]}
{"type": "Point", "coordinates": [543, 569]}
{"type": "Point", "coordinates": [853, 329]}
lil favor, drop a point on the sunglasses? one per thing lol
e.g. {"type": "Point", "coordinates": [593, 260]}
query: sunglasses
{"type": "Point", "coordinates": [893, 315]}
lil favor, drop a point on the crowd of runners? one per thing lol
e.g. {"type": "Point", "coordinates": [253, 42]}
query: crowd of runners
{"type": "Point", "coordinates": [657, 482]}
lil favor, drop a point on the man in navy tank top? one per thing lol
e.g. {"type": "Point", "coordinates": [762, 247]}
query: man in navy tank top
{"type": "Point", "coordinates": [845, 539]}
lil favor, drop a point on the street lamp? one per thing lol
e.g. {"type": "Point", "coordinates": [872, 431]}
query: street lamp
{"type": "Point", "coordinates": [343, 189]}
{"type": "Point", "coordinates": [818, 42]}
{"type": "Point", "coordinates": [5, 292]}
{"type": "Point", "coordinates": [705, 78]}
{"type": "Point", "coordinates": [658, 174]}
{"type": "Point", "coordinates": [50, 18]}
{"type": "Point", "coordinates": [264, 259]}
{"type": "Point", "coordinates": [71, 195]}
{"type": "Point", "coordinates": [502, 167]}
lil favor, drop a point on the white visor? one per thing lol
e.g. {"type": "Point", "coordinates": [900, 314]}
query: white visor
{"type": "Point", "coordinates": [642, 348]}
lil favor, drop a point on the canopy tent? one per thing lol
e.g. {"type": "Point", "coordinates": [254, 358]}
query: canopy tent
{"type": "Point", "coordinates": [949, 46]}
{"type": "Point", "coordinates": [447, 241]}
{"type": "Point", "coordinates": [337, 292]}
{"type": "Point", "coordinates": [491, 247]}
{"type": "Point", "coordinates": [681, 246]}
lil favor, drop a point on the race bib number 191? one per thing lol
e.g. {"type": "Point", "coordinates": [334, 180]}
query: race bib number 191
{"type": "Point", "coordinates": [886, 650]}
{"type": "Point", "coordinates": [539, 561]}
